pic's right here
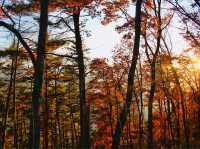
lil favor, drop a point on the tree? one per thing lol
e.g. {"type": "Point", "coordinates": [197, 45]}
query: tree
{"type": "Point", "coordinates": [84, 108]}
{"type": "Point", "coordinates": [77, 102]}
{"type": "Point", "coordinates": [123, 115]}
{"type": "Point", "coordinates": [38, 75]}
{"type": "Point", "coordinates": [152, 62]}
{"type": "Point", "coordinates": [39, 67]}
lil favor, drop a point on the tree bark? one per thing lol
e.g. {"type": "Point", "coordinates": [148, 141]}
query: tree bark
{"type": "Point", "coordinates": [46, 112]}
{"type": "Point", "coordinates": [38, 76]}
{"type": "Point", "coordinates": [84, 109]}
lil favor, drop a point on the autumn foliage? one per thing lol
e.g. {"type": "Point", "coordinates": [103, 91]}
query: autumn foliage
{"type": "Point", "coordinates": [55, 95]}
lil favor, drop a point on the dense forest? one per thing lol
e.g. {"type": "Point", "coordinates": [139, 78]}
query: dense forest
{"type": "Point", "coordinates": [54, 95]}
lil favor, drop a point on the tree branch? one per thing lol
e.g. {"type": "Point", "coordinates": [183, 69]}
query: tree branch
{"type": "Point", "coordinates": [20, 38]}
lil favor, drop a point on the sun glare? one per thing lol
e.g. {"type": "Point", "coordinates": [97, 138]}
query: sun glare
{"type": "Point", "coordinates": [196, 63]}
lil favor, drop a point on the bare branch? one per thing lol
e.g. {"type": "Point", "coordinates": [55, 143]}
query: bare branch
{"type": "Point", "coordinates": [20, 38]}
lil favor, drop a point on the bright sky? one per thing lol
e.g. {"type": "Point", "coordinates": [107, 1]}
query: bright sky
{"type": "Point", "coordinates": [4, 40]}
{"type": "Point", "coordinates": [177, 40]}
{"type": "Point", "coordinates": [102, 40]}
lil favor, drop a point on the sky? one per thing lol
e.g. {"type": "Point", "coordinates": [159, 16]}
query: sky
{"type": "Point", "coordinates": [101, 42]}
{"type": "Point", "coordinates": [104, 39]}
{"type": "Point", "coordinates": [4, 40]}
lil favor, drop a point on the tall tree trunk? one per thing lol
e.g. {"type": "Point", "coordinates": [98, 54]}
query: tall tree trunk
{"type": "Point", "coordinates": [184, 114]}
{"type": "Point", "coordinates": [58, 139]}
{"type": "Point", "coordinates": [139, 102]}
{"type": "Point", "coordinates": [123, 115]}
{"type": "Point", "coordinates": [5, 116]}
{"type": "Point", "coordinates": [46, 112]}
{"type": "Point", "coordinates": [38, 76]}
{"type": "Point", "coordinates": [177, 121]}
{"type": "Point", "coordinates": [14, 102]}
{"type": "Point", "coordinates": [73, 127]}
{"type": "Point", "coordinates": [153, 77]}
{"type": "Point", "coordinates": [150, 107]}
{"type": "Point", "coordinates": [14, 93]}
{"type": "Point", "coordinates": [84, 109]}
{"type": "Point", "coordinates": [169, 113]}
{"type": "Point", "coordinates": [110, 118]}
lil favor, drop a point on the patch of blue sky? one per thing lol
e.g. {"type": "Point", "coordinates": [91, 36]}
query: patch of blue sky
{"type": "Point", "coordinates": [28, 28]}
{"type": "Point", "coordinates": [4, 39]}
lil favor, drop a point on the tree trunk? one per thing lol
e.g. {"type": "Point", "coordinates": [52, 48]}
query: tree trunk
{"type": "Point", "coordinates": [84, 109]}
{"type": "Point", "coordinates": [46, 112]}
{"type": "Point", "coordinates": [123, 115]}
{"type": "Point", "coordinates": [38, 76]}
{"type": "Point", "coordinates": [153, 78]}
{"type": "Point", "coordinates": [5, 116]}
{"type": "Point", "coordinates": [150, 107]}
{"type": "Point", "coordinates": [139, 102]}
{"type": "Point", "coordinates": [110, 118]}
{"type": "Point", "coordinates": [184, 116]}
{"type": "Point", "coordinates": [14, 102]}
{"type": "Point", "coordinates": [58, 139]}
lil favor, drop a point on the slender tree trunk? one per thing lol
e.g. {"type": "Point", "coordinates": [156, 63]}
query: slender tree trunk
{"type": "Point", "coordinates": [46, 114]}
{"type": "Point", "coordinates": [117, 105]}
{"type": "Point", "coordinates": [110, 108]}
{"type": "Point", "coordinates": [169, 120]}
{"type": "Point", "coordinates": [14, 102]}
{"type": "Point", "coordinates": [129, 141]}
{"type": "Point", "coordinates": [38, 76]}
{"type": "Point", "coordinates": [139, 102]}
{"type": "Point", "coordinates": [14, 93]}
{"type": "Point", "coordinates": [74, 127]}
{"type": "Point", "coordinates": [150, 107]}
{"type": "Point", "coordinates": [17, 130]}
{"type": "Point", "coordinates": [72, 131]}
{"type": "Point", "coordinates": [153, 78]}
{"type": "Point", "coordinates": [5, 116]}
{"type": "Point", "coordinates": [141, 110]}
{"type": "Point", "coordinates": [58, 138]}
{"type": "Point", "coordinates": [177, 121]}
{"type": "Point", "coordinates": [182, 103]}
{"type": "Point", "coordinates": [184, 116]}
{"type": "Point", "coordinates": [72, 118]}
{"type": "Point", "coordinates": [162, 122]}
{"type": "Point", "coordinates": [123, 115]}
{"type": "Point", "coordinates": [84, 109]}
